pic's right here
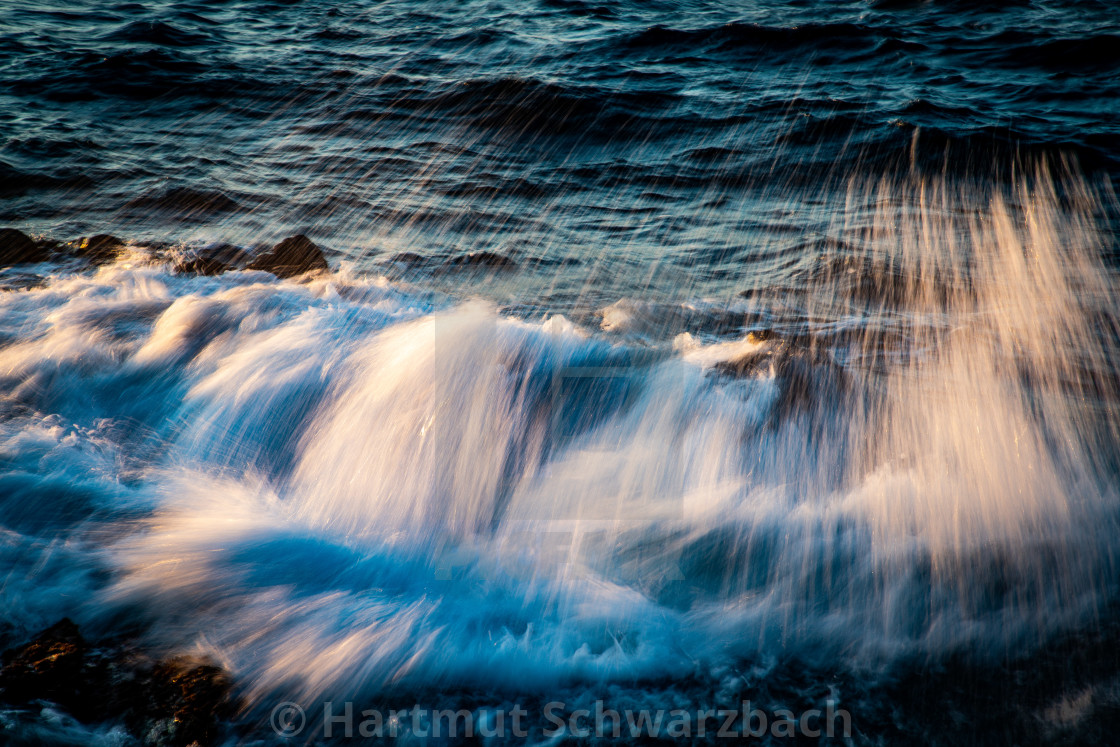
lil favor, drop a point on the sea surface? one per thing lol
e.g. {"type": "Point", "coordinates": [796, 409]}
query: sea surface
{"type": "Point", "coordinates": [672, 354]}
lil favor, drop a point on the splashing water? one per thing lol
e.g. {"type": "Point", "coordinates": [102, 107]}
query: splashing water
{"type": "Point", "coordinates": [343, 486]}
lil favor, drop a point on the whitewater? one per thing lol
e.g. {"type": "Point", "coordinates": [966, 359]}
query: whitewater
{"type": "Point", "coordinates": [343, 486]}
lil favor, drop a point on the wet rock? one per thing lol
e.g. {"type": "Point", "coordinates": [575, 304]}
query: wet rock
{"type": "Point", "coordinates": [201, 266]}
{"type": "Point", "coordinates": [760, 335]}
{"type": "Point", "coordinates": [212, 260]}
{"type": "Point", "coordinates": [98, 249]}
{"type": "Point", "coordinates": [50, 667]}
{"type": "Point", "coordinates": [170, 703]}
{"type": "Point", "coordinates": [483, 259]}
{"type": "Point", "coordinates": [293, 256]}
{"type": "Point", "coordinates": [771, 353]}
{"type": "Point", "coordinates": [806, 376]}
{"type": "Point", "coordinates": [181, 702]}
{"type": "Point", "coordinates": [17, 248]}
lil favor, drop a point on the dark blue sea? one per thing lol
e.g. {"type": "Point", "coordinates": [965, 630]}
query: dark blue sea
{"type": "Point", "coordinates": [644, 356]}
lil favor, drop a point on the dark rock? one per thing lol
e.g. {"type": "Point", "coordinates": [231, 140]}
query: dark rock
{"type": "Point", "coordinates": [760, 335]}
{"type": "Point", "coordinates": [201, 266]}
{"type": "Point", "coordinates": [49, 667]}
{"type": "Point", "coordinates": [771, 353]}
{"type": "Point", "coordinates": [806, 376]}
{"type": "Point", "coordinates": [173, 703]}
{"type": "Point", "coordinates": [17, 248]}
{"type": "Point", "coordinates": [211, 260]}
{"type": "Point", "coordinates": [483, 259]}
{"type": "Point", "coordinates": [99, 249]}
{"type": "Point", "coordinates": [293, 256]}
{"type": "Point", "coordinates": [184, 698]}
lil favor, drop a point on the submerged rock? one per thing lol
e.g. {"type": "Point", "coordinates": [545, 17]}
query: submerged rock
{"type": "Point", "coordinates": [173, 703]}
{"type": "Point", "coordinates": [293, 256]}
{"type": "Point", "coordinates": [17, 248]}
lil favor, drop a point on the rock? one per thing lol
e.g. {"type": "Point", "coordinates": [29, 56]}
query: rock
{"type": "Point", "coordinates": [771, 353]}
{"type": "Point", "coordinates": [211, 260]}
{"type": "Point", "coordinates": [174, 703]}
{"type": "Point", "coordinates": [483, 259]}
{"type": "Point", "coordinates": [201, 266]}
{"type": "Point", "coordinates": [50, 667]}
{"type": "Point", "coordinates": [293, 256]}
{"type": "Point", "coordinates": [17, 248]}
{"type": "Point", "coordinates": [98, 249]}
{"type": "Point", "coordinates": [760, 335]}
{"type": "Point", "coordinates": [806, 375]}
{"type": "Point", "coordinates": [182, 701]}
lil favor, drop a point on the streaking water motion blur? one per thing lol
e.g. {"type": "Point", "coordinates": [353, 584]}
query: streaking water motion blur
{"type": "Point", "coordinates": [674, 357]}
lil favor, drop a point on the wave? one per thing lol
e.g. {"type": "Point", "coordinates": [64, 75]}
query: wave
{"type": "Point", "coordinates": [531, 106]}
{"type": "Point", "coordinates": [14, 181]}
{"type": "Point", "coordinates": [657, 402]}
{"type": "Point", "coordinates": [185, 201]}
{"type": "Point", "coordinates": [737, 36]}
{"type": "Point", "coordinates": [338, 486]}
{"type": "Point", "coordinates": [158, 33]}
{"type": "Point", "coordinates": [1084, 53]}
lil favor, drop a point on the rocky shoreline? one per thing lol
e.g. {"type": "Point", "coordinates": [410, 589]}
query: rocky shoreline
{"type": "Point", "coordinates": [291, 257]}
{"type": "Point", "coordinates": [294, 256]}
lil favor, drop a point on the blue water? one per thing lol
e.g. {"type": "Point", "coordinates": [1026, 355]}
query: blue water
{"type": "Point", "coordinates": [572, 472]}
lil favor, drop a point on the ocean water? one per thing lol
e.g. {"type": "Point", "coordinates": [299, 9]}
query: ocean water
{"type": "Point", "coordinates": [672, 355]}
